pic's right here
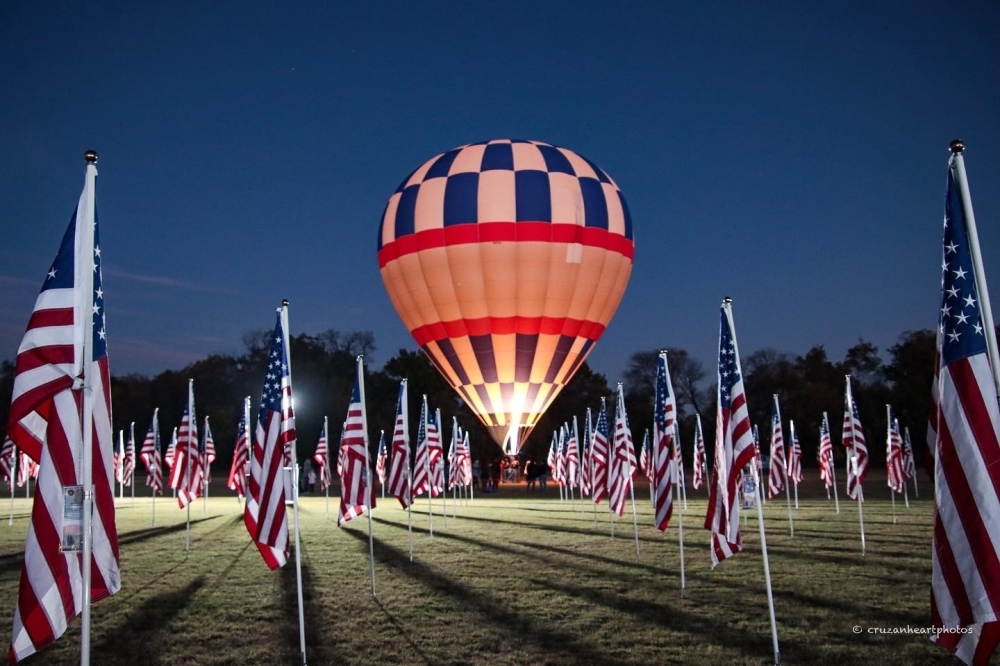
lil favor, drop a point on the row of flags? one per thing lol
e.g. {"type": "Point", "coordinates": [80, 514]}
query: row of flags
{"type": "Point", "coordinates": [60, 419]}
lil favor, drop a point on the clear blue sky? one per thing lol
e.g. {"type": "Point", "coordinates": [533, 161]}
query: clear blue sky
{"type": "Point", "coordinates": [791, 155]}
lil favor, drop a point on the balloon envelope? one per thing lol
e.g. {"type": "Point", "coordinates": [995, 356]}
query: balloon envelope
{"type": "Point", "coordinates": [506, 260]}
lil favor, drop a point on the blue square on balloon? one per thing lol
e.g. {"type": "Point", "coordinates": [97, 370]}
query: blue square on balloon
{"type": "Point", "coordinates": [461, 196]}
{"type": "Point", "coordinates": [555, 160]}
{"type": "Point", "coordinates": [534, 196]}
{"type": "Point", "coordinates": [595, 206]}
{"type": "Point", "coordinates": [405, 209]}
{"type": "Point", "coordinates": [498, 156]}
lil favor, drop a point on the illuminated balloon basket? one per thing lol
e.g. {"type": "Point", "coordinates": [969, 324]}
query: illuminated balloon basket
{"type": "Point", "coordinates": [506, 260]}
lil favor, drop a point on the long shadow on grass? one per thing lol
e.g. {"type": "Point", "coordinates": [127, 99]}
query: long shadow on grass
{"type": "Point", "coordinates": [138, 639]}
{"type": "Point", "coordinates": [529, 629]}
{"type": "Point", "coordinates": [317, 651]}
{"type": "Point", "coordinates": [553, 528]}
{"type": "Point", "coordinates": [138, 536]}
{"type": "Point", "coordinates": [404, 633]}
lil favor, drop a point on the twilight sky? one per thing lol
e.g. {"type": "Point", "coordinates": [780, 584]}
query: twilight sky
{"type": "Point", "coordinates": [791, 155]}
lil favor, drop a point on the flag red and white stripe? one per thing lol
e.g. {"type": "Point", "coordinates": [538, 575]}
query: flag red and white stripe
{"type": "Point", "coordinates": [794, 456]}
{"type": "Point", "coordinates": [53, 372]}
{"type": "Point", "coordinates": [241, 453]}
{"type": "Point", "coordinates": [664, 420]}
{"type": "Point", "coordinates": [186, 475]}
{"type": "Point", "coordinates": [264, 512]}
{"type": "Point", "coordinates": [776, 472]}
{"type": "Point", "coordinates": [895, 476]}
{"type": "Point", "coordinates": [399, 460]}
{"type": "Point", "coordinates": [825, 456]}
{"type": "Point", "coordinates": [380, 459]}
{"type": "Point", "coordinates": [357, 491]}
{"type": "Point", "coordinates": [965, 562]}
{"type": "Point", "coordinates": [8, 461]}
{"type": "Point", "coordinates": [600, 452]}
{"type": "Point", "coordinates": [623, 462]}
{"type": "Point", "coordinates": [854, 443]}
{"type": "Point", "coordinates": [150, 454]}
{"type": "Point", "coordinates": [734, 447]}
{"type": "Point", "coordinates": [698, 470]}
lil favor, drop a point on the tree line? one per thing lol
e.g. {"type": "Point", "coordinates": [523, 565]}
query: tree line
{"type": "Point", "coordinates": [323, 375]}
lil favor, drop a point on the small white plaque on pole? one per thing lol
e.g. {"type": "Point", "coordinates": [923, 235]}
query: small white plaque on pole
{"type": "Point", "coordinates": [749, 492]}
{"type": "Point", "coordinates": [72, 522]}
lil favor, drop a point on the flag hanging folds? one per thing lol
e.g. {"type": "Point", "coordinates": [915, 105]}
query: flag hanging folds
{"type": "Point", "coordinates": [116, 457]}
{"type": "Point", "coordinates": [776, 473]}
{"type": "Point", "coordinates": [399, 470]}
{"type": "Point", "coordinates": [854, 443]}
{"type": "Point", "coordinates": [600, 451]}
{"type": "Point", "coordinates": [572, 457]}
{"type": "Point", "coordinates": [553, 457]}
{"type": "Point", "coordinates": [965, 564]}
{"type": "Point", "coordinates": [909, 465]}
{"type": "Point", "coordinates": [238, 470]}
{"type": "Point", "coordinates": [150, 454]}
{"type": "Point", "coordinates": [128, 462]}
{"type": "Point", "coordinates": [586, 461]}
{"type": "Point", "coordinates": [794, 456]}
{"type": "Point", "coordinates": [698, 471]}
{"type": "Point", "coordinates": [678, 453]}
{"type": "Point", "coordinates": [341, 453]}
{"type": "Point", "coordinates": [52, 373]}
{"type": "Point", "coordinates": [380, 460]}
{"type": "Point", "coordinates": [645, 458]}
{"type": "Point", "coordinates": [186, 475]}
{"type": "Point", "coordinates": [264, 512]}
{"type": "Point", "coordinates": [322, 457]}
{"type": "Point", "coordinates": [206, 447]}
{"type": "Point", "coordinates": [664, 419]}
{"type": "Point", "coordinates": [27, 469]}
{"type": "Point", "coordinates": [7, 460]}
{"type": "Point", "coordinates": [357, 492]}
{"type": "Point", "coordinates": [623, 462]}
{"type": "Point", "coordinates": [171, 450]}
{"type": "Point", "coordinates": [465, 459]}
{"type": "Point", "coordinates": [733, 446]}
{"type": "Point", "coordinates": [895, 477]}
{"type": "Point", "coordinates": [825, 457]}
{"type": "Point", "coordinates": [560, 474]}
{"type": "Point", "coordinates": [421, 460]}
{"type": "Point", "coordinates": [456, 437]}
{"type": "Point", "coordinates": [435, 452]}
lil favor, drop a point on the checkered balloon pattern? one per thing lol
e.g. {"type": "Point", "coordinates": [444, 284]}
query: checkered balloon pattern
{"type": "Point", "coordinates": [506, 260]}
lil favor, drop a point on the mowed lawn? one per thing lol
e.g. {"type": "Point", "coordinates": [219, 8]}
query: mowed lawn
{"type": "Point", "coordinates": [515, 578]}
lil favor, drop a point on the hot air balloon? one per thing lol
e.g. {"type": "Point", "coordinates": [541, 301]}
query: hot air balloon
{"type": "Point", "coordinates": [506, 260]}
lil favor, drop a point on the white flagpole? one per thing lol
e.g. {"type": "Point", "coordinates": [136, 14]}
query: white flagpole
{"type": "Point", "coordinates": [134, 461]}
{"type": "Point", "coordinates": [203, 459]}
{"type": "Point", "coordinates": [382, 483]}
{"type": "Point", "coordinates": [295, 485]}
{"type": "Point", "coordinates": [680, 537]}
{"type": "Point", "coordinates": [121, 464]}
{"type": "Point", "coordinates": [788, 480]}
{"type": "Point", "coordinates": [444, 490]}
{"type": "Point", "coordinates": [187, 465]}
{"type": "Point", "coordinates": [326, 464]}
{"type": "Point", "coordinates": [861, 500]}
{"type": "Point", "coordinates": [13, 473]}
{"type": "Point", "coordinates": [680, 469]}
{"type": "Point", "coordinates": [852, 461]}
{"type": "Point", "coordinates": [369, 489]}
{"type": "Point", "coordinates": [156, 456]}
{"type": "Point", "coordinates": [427, 467]}
{"type": "Point", "coordinates": [83, 317]}
{"type": "Point", "coordinates": [906, 494]}
{"type": "Point", "coordinates": [957, 146]}
{"type": "Point", "coordinates": [409, 471]}
{"type": "Point", "coordinates": [833, 472]}
{"type": "Point", "coordinates": [888, 438]}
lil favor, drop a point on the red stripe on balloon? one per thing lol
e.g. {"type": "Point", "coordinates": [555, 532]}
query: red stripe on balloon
{"type": "Point", "coordinates": [457, 328]}
{"type": "Point", "coordinates": [494, 232]}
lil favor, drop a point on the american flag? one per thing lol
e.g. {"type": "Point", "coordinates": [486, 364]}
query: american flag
{"type": "Point", "coordinates": [7, 461]}
{"type": "Point", "coordinates": [664, 418]}
{"type": "Point", "coordinates": [380, 459]}
{"type": "Point", "coordinates": [776, 475]}
{"type": "Point", "coordinates": [794, 456]}
{"type": "Point", "coordinates": [965, 564]}
{"type": "Point", "coordinates": [600, 451]}
{"type": "Point", "coordinates": [421, 461]}
{"type": "Point", "coordinates": [322, 456]}
{"type": "Point", "coordinates": [357, 491]}
{"type": "Point", "coordinates": [206, 447]}
{"type": "Point", "coordinates": [586, 458]}
{"type": "Point", "coordinates": [116, 459]}
{"type": "Point", "coordinates": [560, 475]}
{"type": "Point", "coordinates": [171, 450]}
{"type": "Point", "coordinates": [54, 370]}
{"type": "Point", "coordinates": [399, 469]}
{"type": "Point", "coordinates": [825, 453]}
{"type": "Point", "coordinates": [186, 475]}
{"type": "Point", "coordinates": [895, 476]}
{"type": "Point", "coordinates": [465, 459]}
{"type": "Point", "coordinates": [553, 457]}
{"type": "Point", "coordinates": [909, 466]}
{"type": "Point", "coordinates": [854, 443]}
{"type": "Point", "coordinates": [264, 512]}
{"type": "Point", "coordinates": [150, 454]}
{"type": "Point", "coordinates": [734, 448]}
{"type": "Point", "coordinates": [644, 456]}
{"type": "Point", "coordinates": [238, 470]}
{"type": "Point", "coordinates": [623, 462]}
{"type": "Point", "coordinates": [341, 453]}
{"type": "Point", "coordinates": [436, 453]}
{"type": "Point", "coordinates": [27, 469]}
{"type": "Point", "coordinates": [572, 457]}
{"type": "Point", "coordinates": [678, 454]}
{"type": "Point", "coordinates": [456, 438]}
{"type": "Point", "coordinates": [698, 471]}
{"type": "Point", "coordinates": [128, 462]}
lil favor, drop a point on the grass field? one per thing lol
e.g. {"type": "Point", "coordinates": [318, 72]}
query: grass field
{"type": "Point", "coordinates": [514, 579]}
